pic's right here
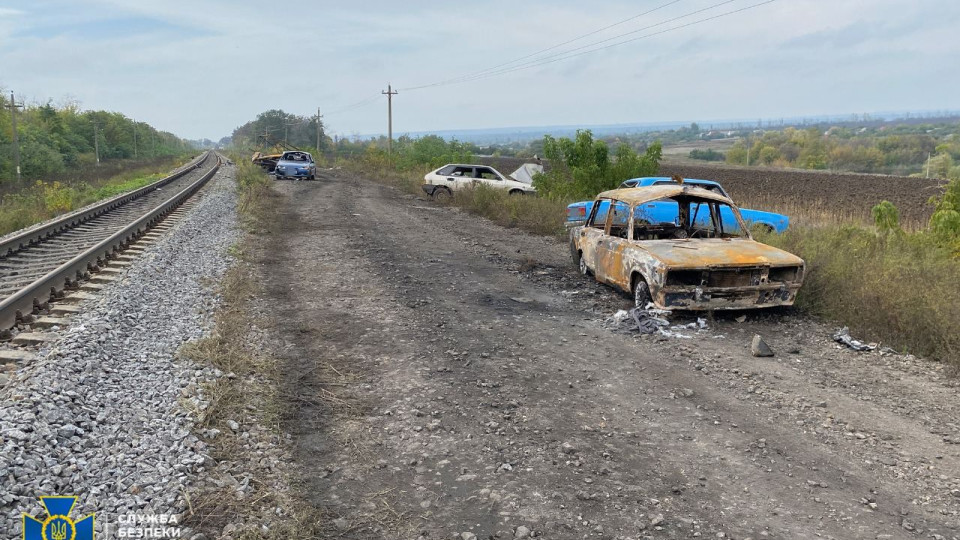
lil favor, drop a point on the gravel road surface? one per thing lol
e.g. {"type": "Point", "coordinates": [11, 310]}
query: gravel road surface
{"type": "Point", "coordinates": [480, 392]}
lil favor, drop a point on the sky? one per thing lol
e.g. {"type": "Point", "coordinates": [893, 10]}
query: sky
{"type": "Point", "coordinates": [200, 68]}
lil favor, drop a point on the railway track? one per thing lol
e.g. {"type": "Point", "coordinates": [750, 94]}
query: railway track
{"type": "Point", "coordinates": [39, 265]}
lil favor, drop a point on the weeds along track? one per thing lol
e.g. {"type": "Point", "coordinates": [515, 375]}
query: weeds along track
{"type": "Point", "coordinates": [37, 265]}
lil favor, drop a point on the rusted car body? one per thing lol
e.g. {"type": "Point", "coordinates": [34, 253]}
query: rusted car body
{"type": "Point", "coordinates": [693, 263]}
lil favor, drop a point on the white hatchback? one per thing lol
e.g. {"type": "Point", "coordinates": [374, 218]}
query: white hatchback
{"type": "Point", "coordinates": [442, 182]}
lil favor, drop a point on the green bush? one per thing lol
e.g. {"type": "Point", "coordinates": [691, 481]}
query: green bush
{"type": "Point", "coordinates": [708, 154]}
{"type": "Point", "coordinates": [582, 167]}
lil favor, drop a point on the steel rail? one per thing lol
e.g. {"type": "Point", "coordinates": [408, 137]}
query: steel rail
{"type": "Point", "coordinates": [35, 236]}
{"type": "Point", "coordinates": [36, 297]}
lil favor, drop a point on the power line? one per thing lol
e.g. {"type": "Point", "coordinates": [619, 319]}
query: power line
{"type": "Point", "coordinates": [567, 54]}
{"type": "Point", "coordinates": [558, 45]}
{"type": "Point", "coordinates": [358, 104]}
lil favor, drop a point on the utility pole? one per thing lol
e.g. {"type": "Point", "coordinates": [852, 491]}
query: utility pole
{"type": "Point", "coordinates": [390, 92]}
{"type": "Point", "coordinates": [16, 142]}
{"type": "Point", "coordinates": [96, 143]}
{"type": "Point", "coordinates": [319, 116]}
{"type": "Point", "coordinates": [928, 164]}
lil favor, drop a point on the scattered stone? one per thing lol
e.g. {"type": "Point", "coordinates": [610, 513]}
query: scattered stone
{"type": "Point", "coordinates": [521, 532]}
{"type": "Point", "coordinates": [107, 410]}
{"type": "Point", "coordinates": [759, 347]}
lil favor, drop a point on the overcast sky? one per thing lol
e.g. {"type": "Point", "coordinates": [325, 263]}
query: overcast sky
{"type": "Point", "coordinates": [199, 68]}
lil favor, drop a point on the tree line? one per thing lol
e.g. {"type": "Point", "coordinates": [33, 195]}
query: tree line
{"type": "Point", "coordinates": [54, 139]}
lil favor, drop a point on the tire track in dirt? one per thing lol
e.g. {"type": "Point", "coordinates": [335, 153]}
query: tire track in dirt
{"type": "Point", "coordinates": [482, 395]}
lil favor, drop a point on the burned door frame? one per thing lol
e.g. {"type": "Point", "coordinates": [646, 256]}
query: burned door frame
{"type": "Point", "coordinates": [589, 233]}
{"type": "Point", "coordinates": [609, 250]}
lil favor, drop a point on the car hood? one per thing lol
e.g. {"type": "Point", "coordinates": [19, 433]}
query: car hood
{"type": "Point", "coordinates": [716, 252]}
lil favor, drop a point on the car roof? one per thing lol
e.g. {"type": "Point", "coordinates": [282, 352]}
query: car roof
{"type": "Point", "coordinates": [649, 180]}
{"type": "Point", "coordinates": [467, 165]}
{"type": "Point", "coordinates": [644, 194]}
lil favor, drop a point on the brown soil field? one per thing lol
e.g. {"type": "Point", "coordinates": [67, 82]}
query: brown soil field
{"type": "Point", "coordinates": [815, 194]}
{"type": "Point", "coordinates": [806, 196]}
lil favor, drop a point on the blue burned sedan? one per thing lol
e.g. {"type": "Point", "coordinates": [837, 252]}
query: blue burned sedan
{"type": "Point", "coordinates": [296, 165]}
{"type": "Point", "coordinates": [657, 212]}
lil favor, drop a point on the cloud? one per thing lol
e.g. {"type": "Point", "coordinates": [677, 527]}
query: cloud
{"type": "Point", "coordinates": [201, 68]}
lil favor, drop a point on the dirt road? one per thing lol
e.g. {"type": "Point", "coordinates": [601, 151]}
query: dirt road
{"type": "Point", "coordinates": [451, 378]}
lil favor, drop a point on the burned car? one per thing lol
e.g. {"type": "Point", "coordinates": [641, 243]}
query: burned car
{"type": "Point", "coordinates": [698, 261]}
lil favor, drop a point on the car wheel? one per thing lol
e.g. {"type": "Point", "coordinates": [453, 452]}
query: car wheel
{"type": "Point", "coordinates": [442, 194]}
{"type": "Point", "coordinates": [517, 192]}
{"type": "Point", "coordinates": [312, 177]}
{"type": "Point", "coordinates": [584, 271]}
{"type": "Point", "coordinates": [641, 292]}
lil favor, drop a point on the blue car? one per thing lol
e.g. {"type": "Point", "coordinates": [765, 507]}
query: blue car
{"type": "Point", "coordinates": [659, 212]}
{"type": "Point", "coordinates": [296, 165]}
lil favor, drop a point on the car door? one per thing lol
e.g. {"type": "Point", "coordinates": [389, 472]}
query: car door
{"type": "Point", "coordinates": [488, 177]}
{"type": "Point", "coordinates": [592, 232]}
{"type": "Point", "coordinates": [459, 177]}
{"type": "Point", "coordinates": [610, 245]}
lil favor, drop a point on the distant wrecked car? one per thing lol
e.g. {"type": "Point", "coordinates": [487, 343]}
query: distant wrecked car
{"type": "Point", "coordinates": [703, 259]}
{"type": "Point", "coordinates": [296, 164]}
{"type": "Point", "coordinates": [577, 212]}
{"type": "Point", "coordinates": [444, 181]}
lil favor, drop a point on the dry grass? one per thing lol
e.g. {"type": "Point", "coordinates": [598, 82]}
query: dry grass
{"type": "Point", "coordinates": [533, 214]}
{"type": "Point", "coordinates": [41, 200]}
{"type": "Point", "coordinates": [899, 289]}
{"type": "Point", "coordinates": [250, 393]}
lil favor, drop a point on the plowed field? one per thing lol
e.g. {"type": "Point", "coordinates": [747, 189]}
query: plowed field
{"type": "Point", "coordinates": [819, 194]}
{"type": "Point", "coordinates": [807, 196]}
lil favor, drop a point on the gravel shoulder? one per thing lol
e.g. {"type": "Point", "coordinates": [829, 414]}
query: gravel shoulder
{"type": "Point", "coordinates": [106, 412]}
{"type": "Point", "coordinates": [479, 391]}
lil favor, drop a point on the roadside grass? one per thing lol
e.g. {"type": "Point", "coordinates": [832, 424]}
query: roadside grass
{"type": "Point", "coordinates": [250, 392]}
{"type": "Point", "coordinates": [44, 200]}
{"type": "Point", "coordinates": [538, 215]}
{"type": "Point", "coordinates": [898, 289]}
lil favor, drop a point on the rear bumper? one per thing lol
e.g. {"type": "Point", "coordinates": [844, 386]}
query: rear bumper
{"type": "Point", "coordinates": [721, 298]}
{"type": "Point", "coordinates": [300, 173]}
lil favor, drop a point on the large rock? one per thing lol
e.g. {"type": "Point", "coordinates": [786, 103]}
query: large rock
{"type": "Point", "coordinates": [759, 347]}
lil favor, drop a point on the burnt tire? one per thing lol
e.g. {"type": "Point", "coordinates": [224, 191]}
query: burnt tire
{"type": "Point", "coordinates": [442, 194]}
{"type": "Point", "coordinates": [582, 265]}
{"type": "Point", "coordinates": [641, 292]}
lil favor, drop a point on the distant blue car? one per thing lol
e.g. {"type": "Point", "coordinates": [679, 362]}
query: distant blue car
{"type": "Point", "coordinates": [657, 212]}
{"type": "Point", "coordinates": [296, 164]}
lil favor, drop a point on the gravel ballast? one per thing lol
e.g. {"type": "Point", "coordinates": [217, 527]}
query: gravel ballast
{"type": "Point", "coordinates": [104, 413]}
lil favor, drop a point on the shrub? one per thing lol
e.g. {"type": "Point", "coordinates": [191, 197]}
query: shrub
{"type": "Point", "coordinates": [582, 167]}
{"type": "Point", "coordinates": [899, 289]}
{"type": "Point", "coordinates": [886, 217]}
{"type": "Point", "coordinates": [707, 155]}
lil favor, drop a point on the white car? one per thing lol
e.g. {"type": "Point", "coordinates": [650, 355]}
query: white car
{"type": "Point", "coordinates": [442, 182]}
